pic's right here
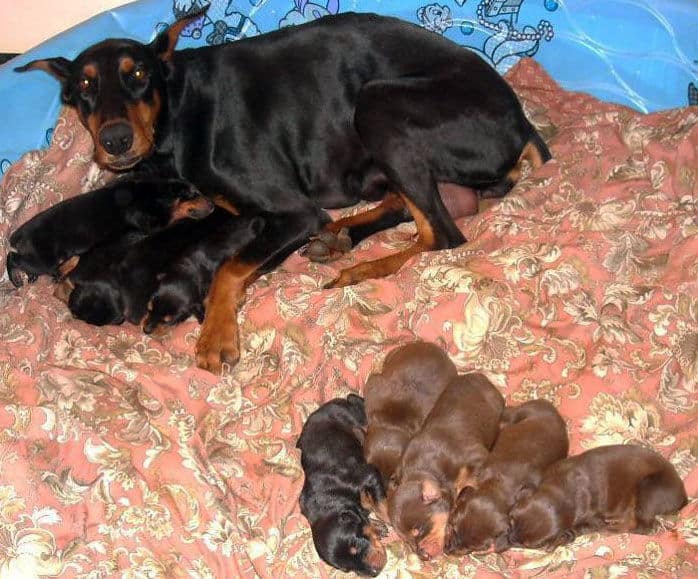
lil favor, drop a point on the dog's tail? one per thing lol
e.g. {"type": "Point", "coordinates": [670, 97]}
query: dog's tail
{"type": "Point", "coordinates": [535, 151]}
{"type": "Point", "coordinates": [541, 149]}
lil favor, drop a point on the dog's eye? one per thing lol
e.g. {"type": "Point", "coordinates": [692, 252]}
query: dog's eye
{"type": "Point", "coordinates": [139, 73]}
{"type": "Point", "coordinates": [84, 84]}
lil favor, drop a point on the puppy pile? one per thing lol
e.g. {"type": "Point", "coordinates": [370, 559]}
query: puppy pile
{"type": "Point", "coordinates": [455, 471]}
{"type": "Point", "coordinates": [142, 250]}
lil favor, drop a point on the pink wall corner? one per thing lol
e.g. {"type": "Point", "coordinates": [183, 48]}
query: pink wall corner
{"type": "Point", "coordinates": [26, 23]}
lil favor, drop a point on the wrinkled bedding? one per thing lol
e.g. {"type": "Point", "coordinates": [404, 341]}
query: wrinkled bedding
{"type": "Point", "coordinates": [118, 457]}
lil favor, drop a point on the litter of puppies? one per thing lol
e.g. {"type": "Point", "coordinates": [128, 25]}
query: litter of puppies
{"type": "Point", "coordinates": [462, 473]}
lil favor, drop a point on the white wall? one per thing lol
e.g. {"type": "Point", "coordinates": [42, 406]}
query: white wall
{"type": "Point", "coordinates": [26, 23]}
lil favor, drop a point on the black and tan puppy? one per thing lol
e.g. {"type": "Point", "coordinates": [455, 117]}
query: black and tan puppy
{"type": "Point", "coordinates": [611, 488]}
{"type": "Point", "coordinates": [92, 289]}
{"type": "Point", "coordinates": [160, 279]}
{"type": "Point", "coordinates": [532, 437]}
{"type": "Point", "coordinates": [399, 398]}
{"type": "Point", "coordinates": [71, 227]}
{"type": "Point", "coordinates": [339, 486]}
{"type": "Point", "coordinates": [442, 459]}
{"type": "Point", "coordinates": [183, 285]}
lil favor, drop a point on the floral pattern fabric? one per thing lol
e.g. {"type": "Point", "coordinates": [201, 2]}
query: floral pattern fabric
{"type": "Point", "coordinates": [119, 458]}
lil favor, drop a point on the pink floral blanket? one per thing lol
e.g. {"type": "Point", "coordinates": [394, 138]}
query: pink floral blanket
{"type": "Point", "coordinates": [118, 457]}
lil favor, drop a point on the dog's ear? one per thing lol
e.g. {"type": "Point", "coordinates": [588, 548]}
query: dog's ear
{"type": "Point", "coordinates": [523, 493]}
{"type": "Point", "coordinates": [501, 543]}
{"type": "Point", "coordinates": [395, 480]}
{"type": "Point", "coordinates": [165, 42]}
{"type": "Point", "coordinates": [348, 516]}
{"type": "Point", "coordinates": [431, 491]}
{"type": "Point", "coordinates": [57, 67]}
{"type": "Point", "coordinates": [465, 494]}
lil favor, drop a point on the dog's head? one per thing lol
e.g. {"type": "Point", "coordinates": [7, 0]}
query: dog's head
{"type": "Point", "coordinates": [418, 510]}
{"type": "Point", "coordinates": [347, 540]}
{"type": "Point", "coordinates": [476, 521]}
{"type": "Point", "coordinates": [172, 303]}
{"type": "Point", "coordinates": [539, 521]}
{"type": "Point", "coordinates": [150, 204]}
{"type": "Point", "coordinates": [98, 303]}
{"type": "Point", "coordinates": [117, 88]}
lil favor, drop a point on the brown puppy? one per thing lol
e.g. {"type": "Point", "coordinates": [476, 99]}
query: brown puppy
{"type": "Point", "coordinates": [615, 488]}
{"type": "Point", "coordinates": [399, 398]}
{"type": "Point", "coordinates": [533, 437]}
{"type": "Point", "coordinates": [442, 459]}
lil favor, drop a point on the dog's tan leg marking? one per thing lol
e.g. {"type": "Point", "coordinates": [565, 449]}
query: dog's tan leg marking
{"type": "Point", "coordinates": [219, 340]}
{"type": "Point", "coordinates": [426, 240]}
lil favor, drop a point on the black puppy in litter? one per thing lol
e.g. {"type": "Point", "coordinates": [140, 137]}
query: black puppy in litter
{"type": "Point", "coordinates": [154, 280]}
{"type": "Point", "coordinates": [42, 245]}
{"type": "Point", "coordinates": [340, 487]}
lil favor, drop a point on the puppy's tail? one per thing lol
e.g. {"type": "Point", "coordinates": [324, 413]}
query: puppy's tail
{"type": "Point", "coordinates": [535, 151]}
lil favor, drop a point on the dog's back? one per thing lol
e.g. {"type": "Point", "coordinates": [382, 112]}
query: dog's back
{"type": "Point", "coordinates": [399, 398]}
{"type": "Point", "coordinates": [101, 216]}
{"type": "Point", "coordinates": [626, 487]}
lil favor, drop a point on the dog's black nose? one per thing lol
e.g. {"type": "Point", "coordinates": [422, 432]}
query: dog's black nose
{"type": "Point", "coordinates": [117, 138]}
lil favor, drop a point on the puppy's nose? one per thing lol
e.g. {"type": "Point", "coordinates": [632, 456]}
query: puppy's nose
{"type": "Point", "coordinates": [116, 138]}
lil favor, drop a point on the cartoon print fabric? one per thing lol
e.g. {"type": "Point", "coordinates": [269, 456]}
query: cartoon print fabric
{"type": "Point", "coordinates": [640, 54]}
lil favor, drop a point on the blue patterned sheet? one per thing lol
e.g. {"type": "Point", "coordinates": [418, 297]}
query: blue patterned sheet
{"type": "Point", "coordinates": [641, 53]}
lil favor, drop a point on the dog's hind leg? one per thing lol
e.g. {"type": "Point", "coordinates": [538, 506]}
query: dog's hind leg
{"type": "Point", "coordinates": [338, 237]}
{"type": "Point", "coordinates": [535, 152]}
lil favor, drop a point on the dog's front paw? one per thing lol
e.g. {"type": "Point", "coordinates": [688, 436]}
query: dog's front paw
{"type": "Point", "coordinates": [218, 343]}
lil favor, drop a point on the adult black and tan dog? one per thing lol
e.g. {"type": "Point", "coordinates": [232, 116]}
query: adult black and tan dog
{"type": "Point", "coordinates": [306, 118]}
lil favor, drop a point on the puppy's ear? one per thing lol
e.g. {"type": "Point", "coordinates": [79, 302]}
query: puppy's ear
{"type": "Point", "coordinates": [395, 480]}
{"type": "Point", "coordinates": [431, 491]}
{"type": "Point", "coordinates": [501, 543]}
{"type": "Point", "coordinates": [465, 494]}
{"type": "Point", "coordinates": [523, 493]}
{"type": "Point", "coordinates": [349, 516]}
{"type": "Point", "coordinates": [59, 68]}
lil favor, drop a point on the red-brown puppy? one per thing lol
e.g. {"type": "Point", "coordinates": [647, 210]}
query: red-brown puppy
{"type": "Point", "coordinates": [615, 488]}
{"type": "Point", "coordinates": [399, 398]}
{"type": "Point", "coordinates": [441, 459]}
{"type": "Point", "coordinates": [533, 436]}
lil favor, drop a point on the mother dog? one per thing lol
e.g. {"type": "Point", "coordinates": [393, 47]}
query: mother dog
{"type": "Point", "coordinates": [346, 108]}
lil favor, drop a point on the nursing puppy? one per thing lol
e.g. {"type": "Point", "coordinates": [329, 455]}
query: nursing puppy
{"type": "Point", "coordinates": [184, 285]}
{"type": "Point", "coordinates": [165, 277]}
{"type": "Point", "coordinates": [92, 289]}
{"type": "Point", "coordinates": [338, 485]}
{"type": "Point", "coordinates": [532, 437]}
{"type": "Point", "coordinates": [442, 459]}
{"type": "Point", "coordinates": [614, 488]}
{"type": "Point", "coordinates": [155, 280]}
{"type": "Point", "coordinates": [73, 226]}
{"type": "Point", "coordinates": [399, 398]}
